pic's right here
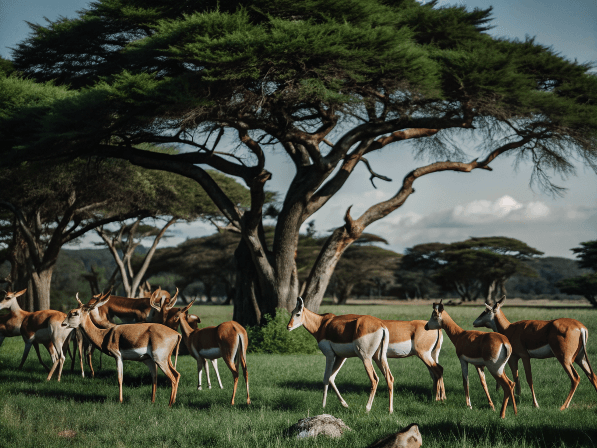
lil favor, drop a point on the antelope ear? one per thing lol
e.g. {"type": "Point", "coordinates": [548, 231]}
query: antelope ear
{"type": "Point", "coordinates": [500, 302]}
{"type": "Point", "coordinates": [488, 306]}
{"type": "Point", "coordinates": [186, 308]}
{"type": "Point", "coordinates": [78, 300]}
{"type": "Point", "coordinates": [20, 293]}
{"type": "Point", "coordinates": [182, 312]}
{"type": "Point", "coordinates": [440, 306]}
{"type": "Point", "coordinates": [300, 304]}
{"type": "Point", "coordinates": [102, 300]}
{"type": "Point", "coordinates": [169, 305]}
{"type": "Point", "coordinates": [153, 300]}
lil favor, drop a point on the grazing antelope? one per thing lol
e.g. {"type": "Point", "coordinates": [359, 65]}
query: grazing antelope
{"type": "Point", "coordinates": [348, 336]}
{"type": "Point", "coordinates": [152, 344]}
{"type": "Point", "coordinates": [38, 327]}
{"type": "Point", "coordinates": [479, 348]}
{"type": "Point", "coordinates": [409, 338]}
{"type": "Point", "coordinates": [565, 339]}
{"type": "Point", "coordinates": [228, 341]}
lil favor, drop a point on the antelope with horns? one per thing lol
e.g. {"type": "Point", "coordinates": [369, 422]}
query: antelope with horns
{"type": "Point", "coordinates": [349, 336]}
{"type": "Point", "coordinates": [38, 327]}
{"type": "Point", "coordinates": [565, 339]}
{"type": "Point", "coordinates": [228, 341]}
{"type": "Point", "coordinates": [152, 344]}
{"type": "Point", "coordinates": [131, 310]}
{"type": "Point", "coordinates": [481, 349]}
{"type": "Point", "coordinates": [409, 338]}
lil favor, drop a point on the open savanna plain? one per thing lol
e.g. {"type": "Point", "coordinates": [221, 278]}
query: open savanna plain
{"type": "Point", "coordinates": [286, 388]}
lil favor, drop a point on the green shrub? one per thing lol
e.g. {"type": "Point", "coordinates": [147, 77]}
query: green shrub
{"type": "Point", "coordinates": [274, 337]}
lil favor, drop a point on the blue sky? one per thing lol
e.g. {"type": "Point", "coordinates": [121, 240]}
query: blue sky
{"type": "Point", "coordinates": [448, 206]}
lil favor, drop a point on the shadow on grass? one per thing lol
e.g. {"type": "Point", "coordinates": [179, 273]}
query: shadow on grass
{"type": "Point", "coordinates": [544, 435]}
{"type": "Point", "coordinates": [420, 393]}
{"type": "Point", "coordinates": [63, 395]}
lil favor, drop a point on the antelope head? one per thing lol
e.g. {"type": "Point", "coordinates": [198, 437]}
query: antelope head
{"type": "Point", "coordinates": [75, 316]}
{"type": "Point", "coordinates": [487, 317]}
{"type": "Point", "coordinates": [9, 298]}
{"type": "Point", "coordinates": [297, 318]}
{"type": "Point", "coordinates": [435, 323]}
{"type": "Point", "coordinates": [182, 314]}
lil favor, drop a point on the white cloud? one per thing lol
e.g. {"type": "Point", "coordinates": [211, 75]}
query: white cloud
{"type": "Point", "coordinates": [553, 230]}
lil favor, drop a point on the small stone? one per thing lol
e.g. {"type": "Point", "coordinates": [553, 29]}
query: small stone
{"type": "Point", "coordinates": [324, 424]}
{"type": "Point", "coordinates": [67, 434]}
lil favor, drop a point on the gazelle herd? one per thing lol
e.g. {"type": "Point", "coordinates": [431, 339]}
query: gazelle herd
{"type": "Point", "coordinates": [149, 335]}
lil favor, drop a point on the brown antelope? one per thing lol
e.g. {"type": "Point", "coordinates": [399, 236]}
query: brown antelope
{"type": "Point", "coordinates": [152, 344]}
{"type": "Point", "coordinates": [409, 338]}
{"type": "Point", "coordinates": [565, 339]}
{"type": "Point", "coordinates": [38, 327]}
{"type": "Point", "coordinates": [481, 349]}
{"type": "Point", "coordinates": [348, 336]}
{"type": "Point", "coordinates": [131, 311]}
{"type": "Point", "coordinates": [10, 325]}
{"type": "Point", "coordinates": [228, 341]}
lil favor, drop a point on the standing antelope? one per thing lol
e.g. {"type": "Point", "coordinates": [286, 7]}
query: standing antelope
{"type": "Point", "coordinates": [228, 341]}
{"type": "Point", "coordinates": [479, 348]}
{"type": "Point", "coordinates": [348, 336]}
{"type": "Point", "coordinates": [565, 339]}
{"type": "Point", "coordinates": [152, 344]}
{"type": "Point", "coordinates": [38, 327]}
{"type": "Point", "coordinates": [409, 338]}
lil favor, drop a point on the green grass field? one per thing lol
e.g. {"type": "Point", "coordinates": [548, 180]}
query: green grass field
{"type": "Point", "coordinates": [286, 388]}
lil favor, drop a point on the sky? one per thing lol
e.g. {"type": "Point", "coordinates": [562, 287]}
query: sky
{"type": "Point", "coordinates": [446, 207]}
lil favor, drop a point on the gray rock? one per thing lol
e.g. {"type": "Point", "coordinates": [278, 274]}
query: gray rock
{"type": "Point", "coordinates": [409, 437]}
{"type": "Point", "coordinates": [324, 424]}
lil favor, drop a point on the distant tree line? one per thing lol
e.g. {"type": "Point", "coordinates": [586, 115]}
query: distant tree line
{"type": "Point", "coordinates": [478, 268]}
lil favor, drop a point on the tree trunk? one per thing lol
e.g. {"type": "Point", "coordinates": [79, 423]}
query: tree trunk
{"type": "Point", "coordinates": [41, 282]}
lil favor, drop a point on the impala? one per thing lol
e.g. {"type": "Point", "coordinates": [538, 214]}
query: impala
{"type": "Point", "coordinates": [129, 310]}
{"type": "Point", "coordinates": [38, 327]}
{"type": "Point", "coordinates": [10, 324]}
{"type": "Point", "coordinates": [565, 339]}
{"type": "Point", "coordinates": [152, 344]}
{"type": "Point", "coordinates": [228, 341]}
{"type": "Point", "coordinates": [409, 338]}
{"type": "Point", "coordinates": [479, 348]}
{"type": "Point", "coordinates": [349, 336]}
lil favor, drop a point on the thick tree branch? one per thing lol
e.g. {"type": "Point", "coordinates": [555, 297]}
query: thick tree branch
{"type": "Point", "coordinates": [177, 165]}
{"type": "Point", "coordinates": [382, 209]}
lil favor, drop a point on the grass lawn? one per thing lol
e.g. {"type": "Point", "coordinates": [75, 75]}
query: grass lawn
{"type": "Point", "coordinates": [286, 388]}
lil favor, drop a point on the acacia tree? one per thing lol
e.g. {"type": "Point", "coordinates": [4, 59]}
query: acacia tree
{"type": "Point", "coordinates": [327, 82]}
{"type": "Point", "coordinates": [473, 268]}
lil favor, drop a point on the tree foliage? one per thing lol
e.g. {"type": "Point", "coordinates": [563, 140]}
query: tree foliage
{"type": "Point", "coordinates": [475, 267]}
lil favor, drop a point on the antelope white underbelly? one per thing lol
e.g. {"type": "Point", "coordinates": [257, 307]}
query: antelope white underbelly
{"type": "Point", "coordinates": [136, 354]}
{"type": "Point", "coordinates": [541, 352]}
{"type": "Point", "coordinates": [400, 349]}
{"type": "Point", "coordinates": [211, 353]}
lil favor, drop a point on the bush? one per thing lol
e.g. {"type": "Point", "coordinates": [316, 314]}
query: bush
{"type": "Point", "coordinates": [274, 337]}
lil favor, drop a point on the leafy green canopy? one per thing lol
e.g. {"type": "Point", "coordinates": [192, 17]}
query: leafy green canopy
{"type": "Point", "coordinates": [155, 69]}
